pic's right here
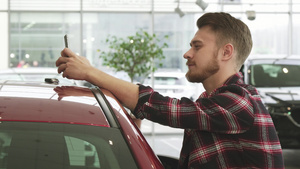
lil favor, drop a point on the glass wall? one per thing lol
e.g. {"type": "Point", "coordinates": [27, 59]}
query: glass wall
{"type": "Point", "coordinates": [3, 5]}
{"type": "Point", "coordinates": [180, 31]}
{"type": "Point", "coordinates": [296, 34]}
{"type": "Point", "coordinates": [269, 33]}
{"type": "Point", "coordinates": [37, 27]}
{"type": "Point", "coordinates": [98, 26]}
{"type": "Point", "coordinates": [37, 38]}
{"type": "Point", "coordinates": [4, 40]}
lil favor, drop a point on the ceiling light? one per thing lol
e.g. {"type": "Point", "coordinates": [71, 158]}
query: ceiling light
{"type": "Point", "coordinates": [203, 5]}
{"type": "Point", "coordinates": [251, 15]}
{"type": "Point", "coordinates": [179, 11]}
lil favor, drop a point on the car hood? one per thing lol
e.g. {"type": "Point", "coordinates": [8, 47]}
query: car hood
{"type": "Point", "coordinates": [284, 95]}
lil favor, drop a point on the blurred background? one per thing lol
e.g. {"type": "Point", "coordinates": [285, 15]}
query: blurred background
{"type": "Point", "coordinates": [31, 35]}
{"type": "Point", "coordinates": [32, 30]}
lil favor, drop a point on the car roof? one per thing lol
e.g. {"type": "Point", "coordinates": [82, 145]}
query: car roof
{"type": "Point", "coordinates": [22, 101]}
{"type": "Point", "coordinates": [274, 59]}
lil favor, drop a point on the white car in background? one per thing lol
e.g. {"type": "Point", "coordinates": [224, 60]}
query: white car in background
{"type": "Point", "coordinates": [36, 74]}
{"type": "Point", "coordinates": [174, 84]}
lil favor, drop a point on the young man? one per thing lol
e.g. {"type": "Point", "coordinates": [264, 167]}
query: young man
{"type": "Point", "coordinates": [228, 126]}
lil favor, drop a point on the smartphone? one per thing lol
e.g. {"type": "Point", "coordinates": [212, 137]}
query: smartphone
{"type": "Point", "coordinates": [66, 41]}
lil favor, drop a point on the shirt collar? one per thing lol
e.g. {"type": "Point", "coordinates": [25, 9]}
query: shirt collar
{"type": "Point", "coordinates": [234, 79]}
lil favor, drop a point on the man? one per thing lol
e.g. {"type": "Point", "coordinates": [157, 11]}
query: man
{"type": "Point", "coordinates": [228, 126]}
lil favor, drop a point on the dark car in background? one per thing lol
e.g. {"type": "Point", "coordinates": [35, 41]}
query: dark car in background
{"type": "Point", "coordinates": [46, 126]}
{"type": "Point", "coordinates": [278, 81]}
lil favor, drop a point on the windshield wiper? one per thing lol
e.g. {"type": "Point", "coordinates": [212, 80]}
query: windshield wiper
{"type": "Point", "coordinates": [286, 103]}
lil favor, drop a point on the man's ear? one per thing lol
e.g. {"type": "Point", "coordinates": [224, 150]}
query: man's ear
{"type": "Point", "coordinates": [228, 51]}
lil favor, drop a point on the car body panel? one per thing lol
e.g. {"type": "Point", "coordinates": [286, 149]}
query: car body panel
{"type": "Point", "coordinates": [54, 104]}
{"type": "Point", "coordinates": [133, 134]}
{"type": "Point", "coordinates": [83, 112]}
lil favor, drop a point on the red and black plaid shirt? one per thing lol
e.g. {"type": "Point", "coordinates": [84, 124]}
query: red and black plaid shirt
{"type": "Point", "coordinates": [229, 128]}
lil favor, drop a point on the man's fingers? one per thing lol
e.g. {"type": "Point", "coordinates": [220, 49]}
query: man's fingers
{"type": "Point", "coordinates": [63, 53]}
{"type": "Point", "coordinates": [61, 60]}
{"type": "Point", "coordinates": [61, 68]}
{"type": "Point", "coordinates": [66, 52]}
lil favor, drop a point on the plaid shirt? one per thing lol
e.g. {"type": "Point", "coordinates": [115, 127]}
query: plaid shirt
{"type": "Point", "coordinates": [229, 128]}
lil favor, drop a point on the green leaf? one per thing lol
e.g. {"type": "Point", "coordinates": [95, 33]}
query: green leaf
{"type": "Point", "coordinates": [134, 54]}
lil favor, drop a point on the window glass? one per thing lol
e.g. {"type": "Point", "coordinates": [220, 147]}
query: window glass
{"type": "Point", "coordinates": [258, 6]}
{"type": "Point", "coordinates": [82, 153]}
{"type": "Point", "coordinates": [180, 31]}
{"type": "Point", "coordinates": [50, 145]}
{"type": "Point", "coordinates": [124, 5]}
{"type": "Point", "coordinates": [296, 6]}
{"type": "Point", "coordinates": [98, 26]}
{"type": "Point", "coordinates": [273, 75]}
{"type": "Point", "coordinates": [4, 39]}
{"type": "Point", "coordinates": [296, 34]}
{"type": "Point", "coordinates": [34, 5]}
{"type": "Point", "coordinates": [3, 4]}
{"type": "Point", "coordinates": [269, 33]}
{"type": "Point", "coordinates": [38, 37]}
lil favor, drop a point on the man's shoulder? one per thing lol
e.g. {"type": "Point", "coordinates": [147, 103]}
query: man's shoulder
{"type": "Point", "coordinates": [240, 89]}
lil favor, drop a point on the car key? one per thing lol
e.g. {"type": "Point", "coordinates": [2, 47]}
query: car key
{"type": "Point", "coordinates": [51, 80]}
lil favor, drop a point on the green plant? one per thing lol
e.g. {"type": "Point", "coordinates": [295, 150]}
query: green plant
{"type": "Point", "coordinates": [134, 54]}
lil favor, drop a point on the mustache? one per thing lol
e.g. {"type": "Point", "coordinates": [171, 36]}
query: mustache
{"type": "Point", "coordinates": [190, 63]}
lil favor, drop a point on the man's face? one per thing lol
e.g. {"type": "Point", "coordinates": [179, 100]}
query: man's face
{"type": "Point", "coordinates": [202, 58]}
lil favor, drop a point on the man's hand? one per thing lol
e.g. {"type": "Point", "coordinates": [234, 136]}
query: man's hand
{"type": "Point", "coordinates": [73, 66]}
{"type": "Point", "coordinates": [79, 68]}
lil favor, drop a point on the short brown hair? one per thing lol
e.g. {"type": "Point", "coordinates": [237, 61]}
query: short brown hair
{"type": "Point", "coordinates": [229, 30]}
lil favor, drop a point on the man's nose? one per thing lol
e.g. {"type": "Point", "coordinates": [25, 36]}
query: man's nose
{"type": "Point", "coordinates": [188, 54]}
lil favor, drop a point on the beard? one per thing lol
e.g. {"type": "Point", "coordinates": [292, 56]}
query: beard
{"type": "Point", "coordinates": [199, 76]}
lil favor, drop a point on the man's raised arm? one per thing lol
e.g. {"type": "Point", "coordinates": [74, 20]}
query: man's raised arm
{"type": "Point", "coordinates": [78, 67]}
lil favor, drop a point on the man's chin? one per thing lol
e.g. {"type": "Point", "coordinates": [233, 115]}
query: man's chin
{"type": "Point", "coordinates": [192, 78]}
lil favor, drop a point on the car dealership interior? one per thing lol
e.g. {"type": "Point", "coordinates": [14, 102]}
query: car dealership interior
{"type": "Point", "coordinates": [32, 35]}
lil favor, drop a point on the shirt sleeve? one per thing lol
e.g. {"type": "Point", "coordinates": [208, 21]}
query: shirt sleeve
{"type": "Point", "coordinates": [229, 110]}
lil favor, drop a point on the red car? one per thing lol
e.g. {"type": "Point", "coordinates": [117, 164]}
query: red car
{"type": "Point", "coordinates": [47, 126]}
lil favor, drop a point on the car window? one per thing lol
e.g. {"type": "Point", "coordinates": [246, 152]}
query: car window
{"type": "Point", "coordinates": [29, 145]}
{"type": "Point", "coordinates": [81, 152]}
{"type": "Point", "coordinates": [275, 75]}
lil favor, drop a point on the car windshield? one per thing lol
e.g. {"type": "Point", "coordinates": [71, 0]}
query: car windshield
{"type": "Point", "coordinates": [274, 75]}
{"type": "Point", "coordinates": [58, 146]}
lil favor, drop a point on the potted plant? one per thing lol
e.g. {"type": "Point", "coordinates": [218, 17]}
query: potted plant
{"type": "Point", "coordinates": [134, 55]}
